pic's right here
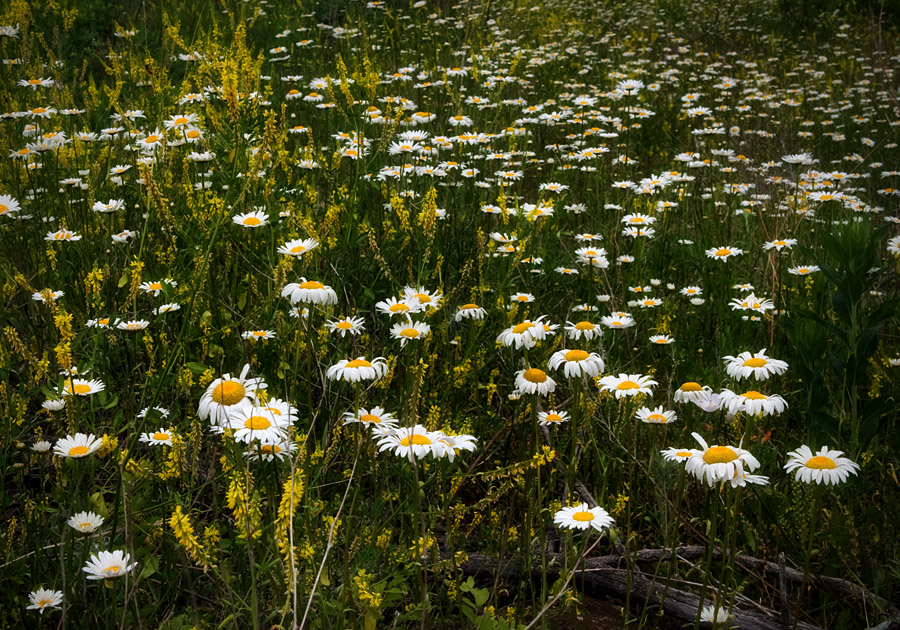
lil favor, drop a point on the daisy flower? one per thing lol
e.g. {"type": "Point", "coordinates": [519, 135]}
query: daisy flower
{"type": "Point", "coordinates": [715, 614]}
{"type": "Point", "coordinates": [167, 308]}
{"type": "Point", "coordinates": [270, 449]}
{"type": "Point", "coordinates": [752, 402]}
{"type": "Point", "coordinates": [757, 365]}
{"type": "Point", "coordinates": [627, 385]}
{"type": "Point", "coordinates": [426, 299]}
{"type": "Point", "coordinates": [108, 564]}
{"type": "Point", "coordinates": [309, 292]}
{"type": "Point", "coordinates": [358, 369]}
{"type": "Point", "coordinates": [534, 381]}
{"type": "Point", "coordinates": [780, 244]}
{"type": "Point", "coordinates": [410, 330]}
{"type": "Point", "coordinates": [161, 437]}
{"type": "Point", "coordinates": [723, 253]}
{"type": "Point", "coordinates": [615, 321]}
{"type": "Point", "coordinates": [156, 286]}
{"type": "Point", "coordinates": [54, 404]}
{"type": "Point", "coordinates": [258, 423]}
{"type": "Point", "coordinates": [376, 417]}
{"type": "Point", "coordinates": [577, 363]}
{"type": "Point", "coordinates": [298, 247]}
{"type": "Point", "coordinates": [228, 394]}
{"type": "Point", "coordinates": [411, 442]}
{"type": "Point", "coordinates": [673, 454]}
{"type": "Point", "coordinates": [41, 446]}
{"type": "Point", "coordinates": [134, 324]}
{"type": "Point", "coordinates": [719, 463]}
{"type": "Point", "coordinates": [803, 270]}
{"type": "Point", "coordinates": [583, 329]}
{"type": "Point", "coordinates": [254, 219]}
{"type": "Point", "coordinates": [353, 325]}
{"type": "Point", "coordinates": [691, 392]}
{"type": "Point", "coordinates": [552, 417]}
{"type": "Point", "coordinates": [526, 334]}
{"type": "Point", "coordinates": [826, 466]}
{"type": "Point", "coordinates": [454, 443]}
{"type": "Point", "coordinates": [656, 416]}
{"type": "Point", "coordinates": [691, 291]}
{"type": "Point", "coordinates": [392, 306]}
{"type": "Point", "coordinates": [46, 294]}
{"type": "Point", "coordinates": [85, 522]}
{"type": "Point", "coordinates": [893, 246]}
{"type": "Point", "coordinates": [82, 387]}
{"type": "Point", "coordinates": [256, 335]}
{"type": "Point", "coordinates": [661, 340]}
{"type": "Point", "coordinates": [521, 298]}
{"type": "Point", "coordinates": [470, 311]}
{"type": "Point", "coordinates": [582, 517]}
{"type": "Point", "coordinates": [43, 599]}
{"type": "Point", "coordinates": [79, 445]}
{"type": "Point", "coordinates": [752, 303]}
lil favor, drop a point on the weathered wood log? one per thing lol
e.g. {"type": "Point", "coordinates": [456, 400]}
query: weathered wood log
{"type": "Point", "coordinates": [600, 577]}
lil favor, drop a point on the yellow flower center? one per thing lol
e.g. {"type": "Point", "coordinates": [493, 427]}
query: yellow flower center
{"type": "Point", "coordinates": [85, 525]}
{"type": "Point", "coordinates": [79, 388]}
{"type": "Point", "coordinates": [803, 270]}
{"type": "Point", "coordinates": [410, 333]}
{"type": "Point", "coordinates": [33, 81]}
{"type": "Point", "coordinates": [554, 417]}
{"type": "Point", "coordinates": [657, 417]}
{"type": "Point", "coordinates": [312, 284]}
{"type": "Point", "coordinates": [583, 516]}
{"type": "Point", "coordinates": [152, 139]}
{"type": "Point", "coordinates": [298, 249]}
{"type": "Point", "coordinates": [228, 393]}
{"type": "Point", "coordinates": [313, 94]}
{"type": "Point", "coordinates": [719, 455]}
{"type": "Point", "coordinates": [193, 133]}
{"type": "Point", "coordinates": [368, 417]}
{"type": "Point", "coordinates": [753, 395]}
{"type": "Point", "coordinates": [270, 449]}
{"type": "Point", "coordinates": [344, 325]}
{"type": "Point", "coordinates": [398, 308]}
{"type": "Point", "coordinates": [691, 386]}
{"type": "Point", "coordinates": [584, 326]}
{"type": "Point", "coordinates": [684, 453]}
{"type": "Point", "coordinates": [780, 243]}
{"type": "Point", "coordinates": [415, 438]}
{"type": "Point", "coordinates": [468, 307]}
{"type": "Point", "coordinates": [39, 110]}
{"type": "Point", "coordinates": [77, 451]}
{"type": "Point", "coordinates": [625, 385]}
{"type": "Point", "coordinates": [252, 221]}
{"type": "Point", "coordinates": [576, 355]}
{"type": "Point", "coordinates": [103, 321]}
{"type": "Point", "coordinates": [423, 298]}
{"type": "Point", "coordinates": [591, 253]}
{"type": "Point", "coordinates": [637, 220]}
{"type": "Point", "coordinates": [820, 462]}
{"type": "Point", "coordinates": [358, 363]}
{"type": "Point", "coordinates": [518, 329]}
{"type": "Point", "coordinates": [162, 437]}
{"type": "Point", "coordinates": [723, 252]}
{"type": "Point", "coordinates": [155, 286]}
{"type": "Point", "coordinates": [113, 569]}
{"type": "Point", "coordinates": [257, 423]}
{"type": "Point", "coordinates": [43, 602]}
{"type": "Point", "coordinates": [755, 363]}
{"type": "Point", "coordinates": [522, 298]}
{"type": "Point", "coordinates": [534, 375]}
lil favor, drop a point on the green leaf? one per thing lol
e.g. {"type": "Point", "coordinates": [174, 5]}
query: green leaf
{"type": "Point", "coordinates": [196, 368]}
{"type": "Point", "coordinates": [151, 564]}
{"type": "Point", "coordinates": [481, 596]}
{"type": "Point", "coordinates": [123, 280]}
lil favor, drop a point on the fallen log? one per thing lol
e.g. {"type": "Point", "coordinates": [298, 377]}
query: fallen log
{"type": "Point", "coordinates": [600, 577]}
{"type": "Point", "coordinates": [604, 575]}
